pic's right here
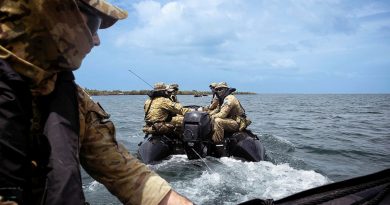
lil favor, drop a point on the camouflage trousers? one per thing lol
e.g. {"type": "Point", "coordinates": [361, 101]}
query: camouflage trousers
{"type": "Point", "coordinates": [221, 125]}
{"type": "Point", "coordinates": [174, 126]}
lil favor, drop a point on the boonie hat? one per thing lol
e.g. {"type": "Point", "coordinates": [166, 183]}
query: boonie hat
{"type": "Point", "coordinates": [221, 85]}
{"type": "Point", "coordinates": [213, 85]}
{"type": "Point", "coordinates": [173, 87]}
{"type": "Point", "coordinates": [109, 13]}
{"type": "Point", "coordinates": [159, 86]}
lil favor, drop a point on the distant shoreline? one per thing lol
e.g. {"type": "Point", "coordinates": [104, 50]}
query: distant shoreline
{"type": "Point", "coordinates": [144, 92]}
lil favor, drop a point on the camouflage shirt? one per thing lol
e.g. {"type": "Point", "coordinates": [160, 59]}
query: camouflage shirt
{"type": "Point", "coordinates": [161, 109]}
{"type": "Point", "coordinates": [110, 163]}
{"type": "Point", "coordinates": [230, 108]}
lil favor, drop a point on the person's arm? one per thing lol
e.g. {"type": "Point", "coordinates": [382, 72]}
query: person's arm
{"type": "Point", "coordinates": [225, 109]}
{"type": "Point", "coordinates": [215, 111]}
{"type": "Point", "coordinates": [111, 164]}
{"type": "Point", "coordinates": [173, 198]}
{"type": "Point", "coordinates": [214, 104]}
{"type": "Point", "coordinates": [8, 202]}
{"type": "Point", "coordinates": [176, 108]}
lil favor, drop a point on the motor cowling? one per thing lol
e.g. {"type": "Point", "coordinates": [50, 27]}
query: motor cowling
{"type": "Point", "coordinates": [196, 133]}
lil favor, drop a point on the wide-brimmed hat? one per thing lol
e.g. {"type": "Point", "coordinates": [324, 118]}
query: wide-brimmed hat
{"type": "Point", "coordinates": [173, 87]}
{"type": "Point", "coordinates": [221, 85]}
{"type": "Point", "coordinates": [109, 13]}
{"type": "Point", "coordinates": [160, 86]}
{"type": "Point", "coordinates": [213, 85]}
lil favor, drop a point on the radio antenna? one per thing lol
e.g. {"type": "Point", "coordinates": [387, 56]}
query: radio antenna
{"type": "Point", "coordinates": [140, 78]}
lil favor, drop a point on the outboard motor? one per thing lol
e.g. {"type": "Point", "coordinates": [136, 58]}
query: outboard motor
{"type": "Point", "coordinates": [196, 132]}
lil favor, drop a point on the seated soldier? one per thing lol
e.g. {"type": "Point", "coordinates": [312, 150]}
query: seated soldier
{"type": "Point", "coordinates": [162, 115]}
{"type": "Point", "coordinates": [230, 117]}
{"type": "Point", "coordinates": [214, 101]}
{"type": "Point", "coordinates": [172, 90]}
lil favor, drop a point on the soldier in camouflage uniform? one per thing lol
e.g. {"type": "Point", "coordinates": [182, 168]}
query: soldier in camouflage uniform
{"type": "Point", "coordinates": [214, 101]}
{"type": "Point", "coordinates": [172, 90]}
{"type": "Point", "coordinates": [48, 124]}
{"type": "Point", "coordinates": [230, 117]}
{"type": "Point", "coordinates": [162, 115]}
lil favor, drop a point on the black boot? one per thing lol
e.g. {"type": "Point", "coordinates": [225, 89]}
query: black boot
{"type": "Point", "coordinates": [220, 150]}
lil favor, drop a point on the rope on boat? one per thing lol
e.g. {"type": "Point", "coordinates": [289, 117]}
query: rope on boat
{"type": "Point", "coordinates": [202, 159]}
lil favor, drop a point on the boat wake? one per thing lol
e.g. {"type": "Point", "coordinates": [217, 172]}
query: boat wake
{"type": "Point", "coordinates": [234, 180]}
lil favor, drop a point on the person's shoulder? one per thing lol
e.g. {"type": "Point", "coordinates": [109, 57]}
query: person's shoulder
{"type": "Point", "coordinates": [162, 100]}
{"type": "Point", "coordinates": [231, 97]}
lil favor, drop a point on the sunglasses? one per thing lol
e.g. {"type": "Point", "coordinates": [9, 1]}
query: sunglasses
{"type": "Point", "coordinates": [93, 19]}
{"type": "Point", "coordinates": [218, 89]}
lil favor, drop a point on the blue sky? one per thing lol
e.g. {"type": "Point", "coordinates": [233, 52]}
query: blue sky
{"type": "Point", "coordinates": [263, 46]}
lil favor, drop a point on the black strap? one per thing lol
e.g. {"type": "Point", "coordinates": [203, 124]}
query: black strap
{"type": "Point", "coordinates": [147, 110]}
{"type": "Point", "coordinates": [243, 114]}
{"type": "Point", "coordinates": [212, 99]}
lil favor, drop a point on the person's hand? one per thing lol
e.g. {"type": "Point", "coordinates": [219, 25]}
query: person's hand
{"type": "Point", "coordinates": [8, 203]}
{"type": "Point", "coordinates": [2, 202]}
{"type": "Point", "coordinates": [173, 198]}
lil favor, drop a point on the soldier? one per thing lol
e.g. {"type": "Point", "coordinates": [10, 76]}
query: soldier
{"type": "Point", "coordinates": [214, 101]}
{"type": "Point", "coordinates": [230, 117]}
{"type": "Point", "coordinates": [162, 115]}
{"type": "Point", "coordinates": [173, 89]}
{"type": "Point", "coordinates": [48, 124]}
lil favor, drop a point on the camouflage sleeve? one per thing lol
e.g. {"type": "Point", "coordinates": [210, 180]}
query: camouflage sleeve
{"type": "Point", "coordinates": [215, 111]}
{"type": "Point", "coordinates": [110, 163]}
{"type": "Point", "coordinates": [214, 104]}
{"type": "Point", "coordinates": [225, 109]}
{"type": "Point", "coordinates": [146, 104]}
{"type": "Point", "coordinates": [176, 108]}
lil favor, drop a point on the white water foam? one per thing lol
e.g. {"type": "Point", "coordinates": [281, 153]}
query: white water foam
{"type": "Point", "coordinates": [174, 159]}
{"type": "Point", "coordinates": [284, 140]}
{"type": "Point", "coordinates": [236, 181]}
{"type": "Point", "coordinates": [94, 185]}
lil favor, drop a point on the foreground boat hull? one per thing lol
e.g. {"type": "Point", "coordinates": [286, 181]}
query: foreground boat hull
{"type": "Point", "coordinates": [369, 189]}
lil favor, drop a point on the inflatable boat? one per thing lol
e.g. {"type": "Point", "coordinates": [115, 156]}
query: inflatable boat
{"type": "Point", "coordinates": [195, 142]}
{"type": "Point", "coordinates": [369, 189]}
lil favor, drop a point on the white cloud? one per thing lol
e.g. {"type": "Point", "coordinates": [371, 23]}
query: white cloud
{"type": "Point", "coordinates": [283, 63]}
{"type": "Point", "coordinates": [201, 26]}
{"type": "Point", "coordinates": [182, 24]}
{"type": "Point", "coordinates": [300, 37]}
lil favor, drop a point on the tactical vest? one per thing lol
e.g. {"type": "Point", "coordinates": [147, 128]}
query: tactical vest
{"type": "Point", "coordinates": [39, 141]}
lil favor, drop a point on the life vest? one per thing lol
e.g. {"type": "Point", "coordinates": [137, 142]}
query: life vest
{"type": "Point", "coordinates": [42, 163]}
{"type": "Point", "coordinates": [15, 115]}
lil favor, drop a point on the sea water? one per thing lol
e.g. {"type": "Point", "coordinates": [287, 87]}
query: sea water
{"type": "Point", "coordinates": [310, 140]}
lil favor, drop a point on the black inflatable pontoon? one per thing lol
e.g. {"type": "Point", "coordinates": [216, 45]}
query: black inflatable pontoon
{"type": "Point", "coordinates": [369, 189]}
{"type": "Point", "coordinates": [196, 143]}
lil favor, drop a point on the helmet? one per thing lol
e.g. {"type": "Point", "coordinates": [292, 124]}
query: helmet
{"type": "Point", "coordinates": [221, 85]}
{"type": "Point", "coordinates": [160, 86]}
